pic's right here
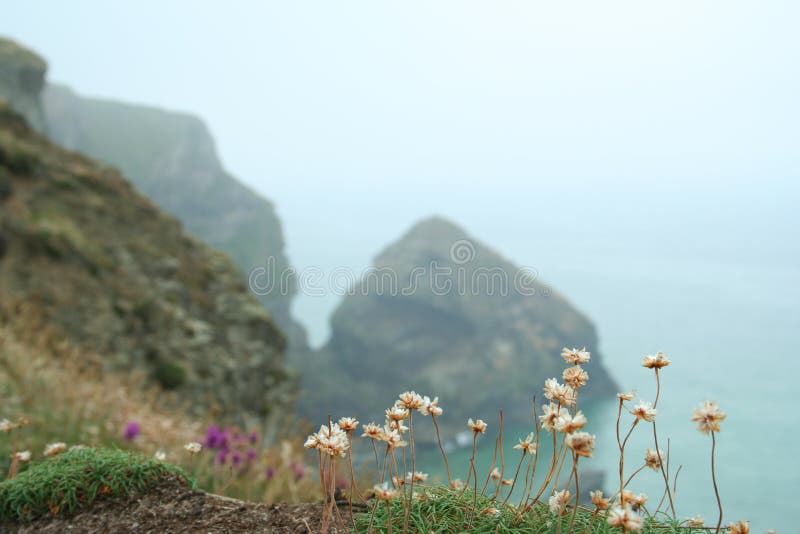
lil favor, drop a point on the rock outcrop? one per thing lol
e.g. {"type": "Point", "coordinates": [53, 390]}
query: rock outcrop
{"type": "Point", "coordinates": [88, 258]}
{"type": "Point", "coordinates": [482, 334]}
{"type": "Point", "coordinates": [22, 77]}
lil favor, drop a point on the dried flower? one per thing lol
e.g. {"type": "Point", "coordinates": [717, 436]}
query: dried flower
{"type": "Point", "coordinates": [430, 407]}
{"type": "Point", "coordinates": [160, 456]}
{"type": "Point", "coordinates": [575, 376]}
{"type": "Point", "coordinates": [645, 411]}
{"type": "Point", "coordinates": [653, 459]}
{"type": "Point", "coordinates": [51, 449]}
{"type": "Point", "coordinates": [348, 424]}
{"type": "Point", "coordinates": [478, 426]}
{"type": "Point", "coordinates": [600, 502]}
{"type": "Point", "coordinates": [372, 431]}
{"type": "Point", "coordinates": [655, 362]}
{"type": "Point", "coordinates": [410, 400]}
{"type": "Point", "coordinates": [506, 482]}
{"type": "Point", "coordinates": [398, 481]}
{"type": "Point", "coordinates": [193, 447]}
{"type": "Point", "coordinates": [417, 476]}
{"type": "Point", "coordinates": [491, 511]}
{"type": "Point", "coordinates": [708, 417]}
{"type": "Point", "coordinates": [396, 413]}
{"type": "Point", "coordinates": [330, 439]}
{"type": "Point", "coordinates": [457, 484]}
{"type": "Point", "coordinates": [6, 425]}
{"type": "Point", "coordinates": [742, 527]}
{"type": "Point", "coordinates": [566, 423]}
{"type": "Point", "coordinates": [581, 443]}
{"type": "Point", "coordinates": [384, 492]}
{"type": "Point", "coordinates": [625, 518]}
{"type": "Point", "coordinates": [527, 445]}
{"type": "Point", "coordinates": [695, 521]}
{"type": "Point", "coordinates": [575, 356]}
{"type": "Point", "coordinates": [558, 501]}
{"type": "Point", "coordinates": [626, 396]}
{"type": "Point", "coordinates": [22, 456]}
{"type": "Point", "coordinates": [496, 474]}
{"type": "Point", "coordinates": [550, 414]}
{"type": "Point", "coordinates": [560, 393]}
{"type": "Point", "coordinates": [393, 438]}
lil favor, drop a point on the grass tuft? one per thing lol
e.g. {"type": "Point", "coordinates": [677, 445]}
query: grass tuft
{"type": "Point", "coordinates": [72, 481]}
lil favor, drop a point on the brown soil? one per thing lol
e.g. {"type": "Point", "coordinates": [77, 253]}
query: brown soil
{"type": "Point", "coordinates": [171, 508]}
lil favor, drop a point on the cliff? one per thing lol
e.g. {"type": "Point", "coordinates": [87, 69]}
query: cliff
{"type": "Point", "coordinates": [481, 334]}
{"type": "Point", "coordinates": [86, 257]}
{"type": "Point", "coordinates": [22, 77]}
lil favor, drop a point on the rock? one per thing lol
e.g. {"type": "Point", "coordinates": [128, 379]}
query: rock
{"type": "Point", "coordinates": [21, 81]}
{"type": "Point", "coordinates": [91, 261]}
{"type": "Point", "coordinates": [483, 337]}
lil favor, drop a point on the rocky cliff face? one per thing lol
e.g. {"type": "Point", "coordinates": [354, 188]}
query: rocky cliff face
{"type": "Point", "coordinates": [22, 75]}
{"type": "Point", "coordinates": [171, 158]}
{"type": "Point", "coordinates": [85, 255]}
{"type": "Point", "coordinates": [482, 334]}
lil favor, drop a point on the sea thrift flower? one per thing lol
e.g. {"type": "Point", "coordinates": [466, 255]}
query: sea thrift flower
{"type": "Point", "coordinates": [695, 521]}
{"type": "Point", "coordinates": [708, 417]}
{"type": "Point", "coordinates": [51, 449]}
{"type": "Point", "coordinates": [478, 426]}
{"type": "Point", "coordinates": [566, 423]}
{"type": "Point", "coordinates": [600, 502]}
{"type": "Point", "coordinates": [430, 407]}
{"type": "Point", "coordinates": [626, 396]}
{"type": "Point", "coordinates": [575, 377]}
{"type": "Point", "coordinates": [527, 445]}
{"type": "Point", "coordinates": [348, 424]}
{"type": "Point", "coordinates": [742, 527]}
{"type": "Point", "coordinates": [371, 431]}
{"type": "Point", "coordinates": [644, 411]}
{"type": "Point", "coordinates": [160, 456]}
{"type": "Point", "coordinates": [637, 501]}
{"type": "Point", "coordinates": [581, 443]}
{"type": "Point", "coordinates": [384, 492]}
{"type": "Point", "coordinates": [132, 430]}
{"type": "Point", "coordinates": [626, 519]}
{"type": "Point", "coordinates": [6, 425]}
{"type": "Point", "coordinates": [495, 474]}
{"type": "Point", "coordinates": [457, 484]}
{"type": "Point", "coordinates": [551, 413]}
{"type": "Point", "coordinates": [332, 440]}
{"type": "Point", "coordinates": [575, 356]}
{"type": "Point", "coordinates": [417, 476]}
{"type": "Point", "coordinates": [558, 501]}
{"type": "Point", "coordinates": [653, 459]}
{"type": "Point", "coordinates": [398, 481]}
{"type": "Point", "coordinates": [410, 400]}
{"type": "Point", "coordinates": [396, 413]}
{"type": "Point", "coordinates": [491, 511]}
{"type": "Point", "coordinates": [22, 456]}
{"type": "Point", "coordinates": [655, 362]}
{"type": "Point", "coordinates": [393, 438]}
{"type": "Point", "coordinates": [560, 393]}
{"type": "Point", "coordinates": [193, 447]}
{"type": "Point", "coordinates": [397, 426]}
{"type": "Point", "coordinates": [506, 482]}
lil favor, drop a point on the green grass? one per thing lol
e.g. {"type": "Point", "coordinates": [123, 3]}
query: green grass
{"type": "Point", "coordinates": [445, 511]}
{"type": "Point", "coordinates": [62, 485]}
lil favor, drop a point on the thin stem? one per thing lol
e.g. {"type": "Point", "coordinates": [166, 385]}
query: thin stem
{"type": "Point", "coordinates": [413, 467]}
{"type": "Point", "coordinates": [634, 474]}
{"type": "Point", "coordinates": [516, 474]}
{"type": "Point", "coordinates": [441, 448]}
{"type": "Point", "coordinates": [577, 491]}
{"type": "Point", "coordinates": [658, 451]}
{"type": "Point", "coordinates": [714, 479]}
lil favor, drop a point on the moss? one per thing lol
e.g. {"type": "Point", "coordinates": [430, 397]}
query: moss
{"type": "Point", "coordinates": [70, 482]}
{"type": "Point", "coordinates": [169, 375]}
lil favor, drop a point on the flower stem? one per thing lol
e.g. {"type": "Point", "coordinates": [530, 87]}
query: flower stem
{"type": "Point", "coordinates": [714, 480]}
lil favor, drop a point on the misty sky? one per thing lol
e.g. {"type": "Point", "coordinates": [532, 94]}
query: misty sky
{"type": "Point", "coordinates": [548, 129]}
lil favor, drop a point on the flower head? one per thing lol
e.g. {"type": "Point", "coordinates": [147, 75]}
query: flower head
{"type": "Point", "coordinates": [626, 396]}
{"type": "Point", "coordinates": [51, 449]}
{"type": "Point", "coordinates": [384, 492]}
{"type": "Point", "coordinates": [566, 423]}
{"type": "Point", "coordinates": [600, 502]}
{"type": "Point", "coordinates": [348, 424]}
{"type": "Point", "coordinates": [575, 376]}
{"type": "Point", "coordinates": [22, 456]}
{"type": "Point", "coordinates": [527, 445]}
{"type": "Point", "coordinates": [656, 362]}
{"type": "Point", "coordinates": [695, 521]}
{"type": "Point", "coordinates": [575, 356]}
{"type": "Point", "coordinates": [457, 484]}
{"type": "Point", "coordinates": [193, 447]}
{"type": "Point", "coordinates": [396, 413]}
{"type": "Point", "coordinates": [550, 414]}
{"type": "Point", "coordinates": [626, 519]}
{"type": "Point", "coordinates": [331, 440]}
{"type": "Point", "coordinates": [417, 476]}
{"type": "Point", "coordinates": [410, 400]}
{"type": "Point", "coordinates": [132, 430]}
{"type": "Point", "coordinates": [653, 459]}
{"type": "Point", "coordinates": [392, 438]}
{"type": "Point", "coordinates": [478, 426]}
{"type": "Point", "coordinates": [430, 407]}
{"type": "Point", "coordinates": [371, 431]}
{"type": "Point", "coordinates": [160, 456]}
{"type": "Point", "coordinates": [496, 474]}
{"type": "Point", "coordinates": [558, 501]}
{"type": "Point", "coordinates": [644, 411]}
{"type": "Point", "coordinates": [581, 443]}
{"type": "Point", "coordinates": [559, 393]}
{"type": "Point", "coordinates": [708, 417]}
{"type": "Point", "coordinates": [742, 527]}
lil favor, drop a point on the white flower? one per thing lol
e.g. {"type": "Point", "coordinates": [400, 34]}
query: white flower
{"type": "Point", "coordinates": [575, 376]}
{"type": "Point", "coordinates": [645, 411]}
{"type": "Point", "coordinates": [193, 447]}
{"type": "Point", "coordinates": [653, 459]}
{"type": "Point", "coordinates": [6, 425]}
{"type": "Point", "coordinates": [575, 356]}
{"type": "Point", "coordinates": [708, 417]}
{"type": "Point", "coordinates": [430, 407]}
{"type": "Point", "coordinates": [600, 502]}
{"type": "Point", "coordinates": [558, 501]}
{"type": "Point", "coordinates": [372, 431]}
{"type": "Point", "coordinates": [478, 426]}
{"type": "Point", "coordinates": [625, 518]}
{"type": "Point", "coordinates": [626, 396]}
{"type": "Point", "coordinates": [410, 400]}
{"type": "Point", "coordinates": [581, 443]}
{"type": "Point", "coordinates": [348, 424]}
{"type": "Point", "coordinates": [527, 445]}
{"type": "Point", "coordinates": [551, 413]}
{"type": "Point", "coordinates": [51, 449]}
{"type": "Point", "coordinates": [332, 440]}
{"type": "Point", "coordinates": [655, 362]}
{"type": "Point", "coordinates": [160, 456]}
{"type": "Point", "coordinates": [417, 476]}
{"type": "Point", "coordinates": [396, 413]}
{"type": "Point", "coordinates": [496, 474]}
{"type": "Point", "coordinates": [560, 393]}
{"type": "Point", "coordinates": [566, 423]}
{"type": "Point", "coordinates": [22, 456]}
{"type": "Point", "coordinates": [384, 492]}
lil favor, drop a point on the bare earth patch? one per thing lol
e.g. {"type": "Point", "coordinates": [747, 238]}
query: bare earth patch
{"type": "Point", "coordinates": [171, 507]}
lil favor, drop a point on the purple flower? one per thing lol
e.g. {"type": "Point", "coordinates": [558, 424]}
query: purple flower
{"type": "Point", "coordinates": [270, 473]}
{"type": "Point", "coordinates": [251, 455]}
{"type": "Point", "coordinates": [298, 469]}
{"type": "Point", "coordinates": [253, 437]}
{"type": "Point", "coordinates": [132, 430]}
{"type": "Point", "coordinates": [236, 458]}
{"type": "Point", "coordinates": [221, 457]}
